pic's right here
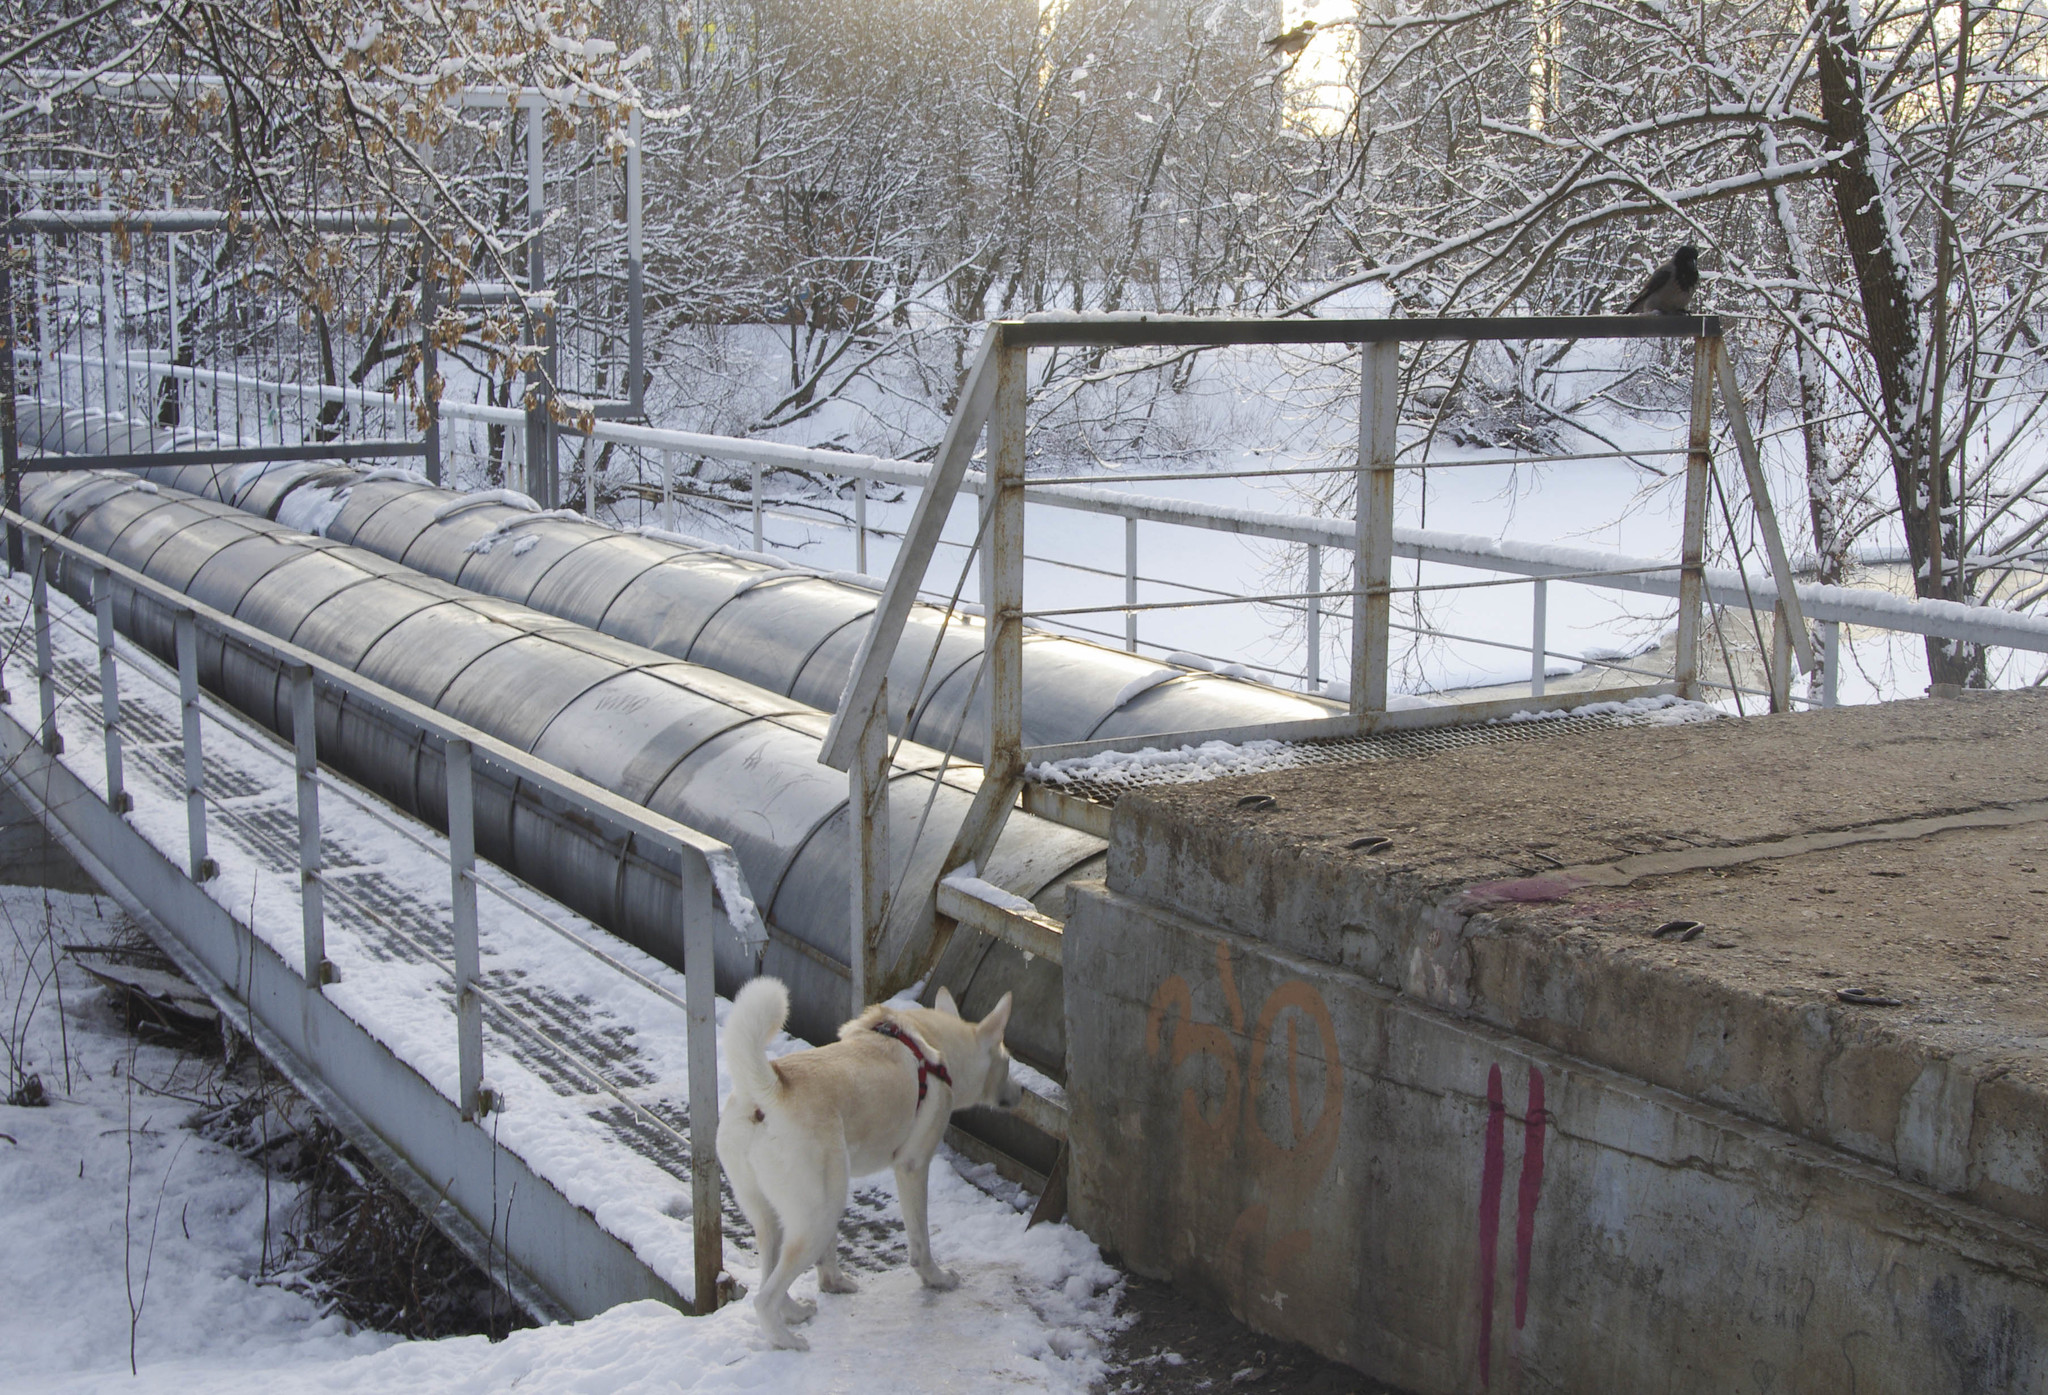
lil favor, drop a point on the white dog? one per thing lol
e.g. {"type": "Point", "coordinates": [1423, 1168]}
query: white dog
{"type": "Point", "coordinates": [798, 1130]}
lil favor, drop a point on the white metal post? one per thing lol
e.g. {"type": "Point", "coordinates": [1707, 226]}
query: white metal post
{"type": "Point", "coordinates": [867, 815]}
{"type": "Point", "coordinates": [1781, 660]}
{"type": "Point", "coordinates": [186, 628]}
{"type": "Point", "coordinates": [1692, 568]}
{"type": "Point", "coordinates": [757, 507]}
{"type": "Point", "coordinates": [636, 334]}
{"type": "Point", "coordinates": [1379, 416]}
{"type": "Point", "coordinates": [668, 490]}
{"type": "Point", "coordinates": [1831, 662]}
{"type": "Point", "coordinates": [1314, 672]}
{"type": "Point", "coordinates": [177, 334]}
{"type": "Point", "coordinates": [110, 690]}
{"type": "Point", "coordinates": [1539, 638]}
{"type": "Point", "coordinates": [312, 895]}
{"type": "Point", "coordinates": [430, 360]}
{"type": "Point", "coordinates": [1130, 584]}
{"type": "Point", "coordinates": [469, 1012]}
{"type": "Point", "coordinates": [1003, 599]}
{"type": "Point", "coordinates": [860, 525]}
{"type": "Point", "coordinates": [700, 994]}
{"type": "Point", "coordinates": [541, 474]}
{"type": "Point", "coordinates": [46, 668]}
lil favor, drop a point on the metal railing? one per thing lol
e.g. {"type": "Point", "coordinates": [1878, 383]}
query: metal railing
{"type": "Point", "coordinates": [992, 401]}
{"type": "Point", "coordinates": [1829, 607]}
{"type": "Point", "coordinates": [189, 301]}
{"type": "Point", "coordinates": [705, 863]}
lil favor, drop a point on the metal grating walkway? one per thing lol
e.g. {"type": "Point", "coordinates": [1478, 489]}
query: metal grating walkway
{"type": "Point", "coordinates": [591, 1066]}
{"type": "Point", "coordinates": [1385, 746]}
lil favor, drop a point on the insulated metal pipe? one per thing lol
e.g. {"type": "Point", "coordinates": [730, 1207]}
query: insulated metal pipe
{"type": "Point", "coordinates": [696, 745]}
{"type": "Point", "coordinates": [788, 630]}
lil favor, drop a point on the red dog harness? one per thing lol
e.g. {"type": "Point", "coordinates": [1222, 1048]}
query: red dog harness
{"type": "Point", "coordinates": [926, 1067]}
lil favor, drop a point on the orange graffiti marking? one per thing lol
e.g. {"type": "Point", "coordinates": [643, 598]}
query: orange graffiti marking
{"type": "Point", "coordinates": [1285, 1172]}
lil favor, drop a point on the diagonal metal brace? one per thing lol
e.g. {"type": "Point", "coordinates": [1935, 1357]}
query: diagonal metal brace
{"type": "Point", "coordinates": [1760, 498]}
{"type": "Point", "coordinates": [920, 540]}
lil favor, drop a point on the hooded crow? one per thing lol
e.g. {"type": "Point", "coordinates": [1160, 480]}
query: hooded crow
{"type": "Point", "coordinates": [1671, 285]}
{"type": "Point", "coordinates": [1291, 42]}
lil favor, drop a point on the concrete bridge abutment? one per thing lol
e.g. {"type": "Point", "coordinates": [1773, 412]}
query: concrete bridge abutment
{"type": "Point", "coordinates": [1471, 1134]}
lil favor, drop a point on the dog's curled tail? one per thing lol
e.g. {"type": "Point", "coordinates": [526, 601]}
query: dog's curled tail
{"type": "Point", "coordinates": [758, 1012]}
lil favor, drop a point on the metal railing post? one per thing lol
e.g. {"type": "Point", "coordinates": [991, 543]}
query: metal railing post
{"type": "Point", "coordinates": [636, 320]}
{"type": "Point", "coordinates": [1831, 662]}
{"type": "Point", "coordinates": [1379, 418]}
{"type": "Point", "coordinates": [46, 666]}
{"type": "Point", "coordinates": [1781, 660]}
{"type": "Point", "coordinates": [1692, 563]}
{"type": "Point", "coordinates": [867, 814]}
{"type": "Point", "coordinates": [110, 690]}
{"type": "Point", "coordinates": [668, 490]}
{"type": "Point", "coordinates": [1314, 671]}
{"type": "Point", "coordinates": [1003, 594]}
{"type": "Point", "coordinates": [1539, 638]}
{"type": "Point", "coordinates": [473, 1100]}
{"type": "Point", "coordinates": [202, 867]}
{"type": "Point", "coordinates": [1130, 583]}
{"type": "Point", "coordinates": [312, 895]}
{"type": "Point", "coordinates": [542, 467]}
{"type": "Point", "coordinates": [756, 495]}
{"type": "Point", "coordinates": [10, 455]}
{"type": "Point", "coordinates": [860, 525]}
{"type": "Point", "coordinates": [700, 989]}
{"type": "Point", "coordinates": [430, 360]}
{"type": "Point", "coordinates": [1002, 599]}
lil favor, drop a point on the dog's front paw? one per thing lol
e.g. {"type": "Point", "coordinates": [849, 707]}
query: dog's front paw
{"type": "Point", "coordinates": [935, 1277]}
{"type": "Point", "coordinates": [798, 1310]}
{"type": "Point", "coordinates": [789, 1341]}
{"type": "Point", "coordinates": [836, 1283]}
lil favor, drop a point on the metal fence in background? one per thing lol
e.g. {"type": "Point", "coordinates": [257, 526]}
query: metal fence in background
{"type": "Point", "coordinates": [335, 332]}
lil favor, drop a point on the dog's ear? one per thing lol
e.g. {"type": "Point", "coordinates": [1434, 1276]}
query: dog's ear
{"type": "Point", "coordinates": [991, 1026]}
{"type": "Point", "coordinates": [943, 1001]}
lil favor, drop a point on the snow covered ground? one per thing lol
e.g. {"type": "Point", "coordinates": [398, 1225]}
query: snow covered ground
{"type": "Point", "coordinates": [109, 1192]}
{"type": "Point", "coordinates": [108, 1199]}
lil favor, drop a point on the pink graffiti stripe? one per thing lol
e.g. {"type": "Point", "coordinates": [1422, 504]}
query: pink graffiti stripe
{"type": "Point", "coordinates": [1528, 1193]}
{"type": "Point", "coordinates": [1489, 1216]}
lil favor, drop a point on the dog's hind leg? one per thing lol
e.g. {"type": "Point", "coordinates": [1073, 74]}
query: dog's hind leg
{"type": "Point", "coordinates": [825, 1225]}
{"type": "Point", "coordinates": [838, 1185]}
{"type": "Point", "coordinates": [772, 1303]}
{"type": "Point", "coordinates": [912, 1191]}
{"type": "Point", "coordinates": [760, 1214]}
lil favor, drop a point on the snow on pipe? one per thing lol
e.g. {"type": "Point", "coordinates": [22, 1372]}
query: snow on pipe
{"type": "Point", "coordinates": [700, 747]}
{"type": "Point", "coordinates": [789, 629]}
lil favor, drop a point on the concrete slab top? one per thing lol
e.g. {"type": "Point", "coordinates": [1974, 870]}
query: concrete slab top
{"type": "Point", "coordinates": [1898, 852]}
{"type": "Point", "coordinates": [1490, 812]}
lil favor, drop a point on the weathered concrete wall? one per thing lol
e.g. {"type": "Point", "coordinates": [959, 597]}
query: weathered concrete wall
{"type": "Point", "coordinates": [1453, 1208]}
{"type": "Point", "coordinates": [1950, 1089]}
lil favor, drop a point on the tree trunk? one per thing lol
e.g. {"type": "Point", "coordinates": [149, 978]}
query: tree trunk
{"type": "Point", "coordinates": [1898, 346]}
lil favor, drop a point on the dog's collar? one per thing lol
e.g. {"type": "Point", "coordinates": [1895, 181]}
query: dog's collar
{"type": "Point", "coordinates": [926, 1066]}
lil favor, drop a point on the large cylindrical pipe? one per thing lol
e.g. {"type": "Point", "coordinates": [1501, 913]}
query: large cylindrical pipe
{"type": "Point", "coordinates": [696, 745]}
{"type": "Point", "coordinates": [790, 631]}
